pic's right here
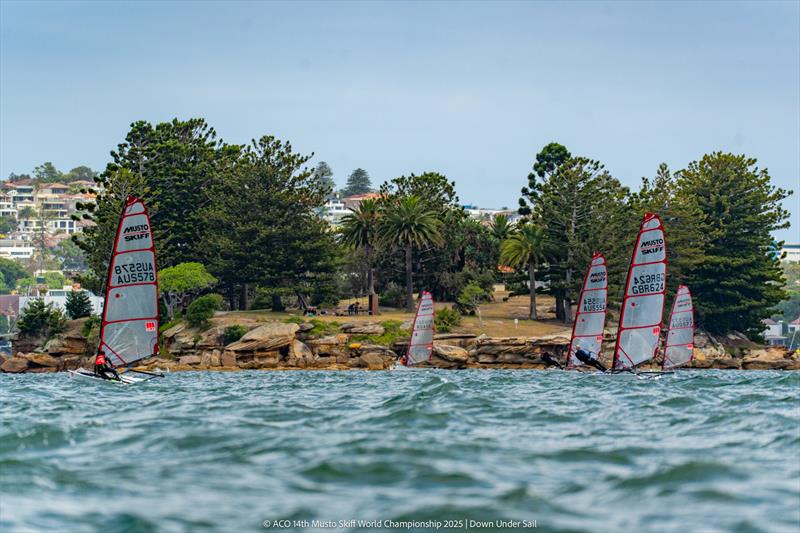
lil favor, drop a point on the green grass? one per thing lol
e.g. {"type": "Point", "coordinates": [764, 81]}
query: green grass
{"type": "Point", "coordinates": [393, 331]}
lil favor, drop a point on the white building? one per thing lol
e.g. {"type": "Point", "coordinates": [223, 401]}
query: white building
{"type": "Point", "coordinates": [334, 210]}
{"type": "Point", "coordinates": [773, 333]}
{"type": "Point", "coordinates": [16, 248]}
{"type": "Point", "coordinates": [792, 251]}
{"type": "Point", "coordinates": [58, 297]}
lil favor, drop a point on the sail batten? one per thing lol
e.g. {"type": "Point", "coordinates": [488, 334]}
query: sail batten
{"type": "Point", "coordinates": [129, 331]}
{"type": "Point", "coordinates": [643, 304]}
{"type": "Point", "coordinates": [590, 317]}
{"type": "Point", "coordinates": [421, 344]}
{"type": "Point", "coordinates": [679, 347]}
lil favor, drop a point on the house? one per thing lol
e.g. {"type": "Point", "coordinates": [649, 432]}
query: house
{"type": "Point", "coordinates": [792, 252]}
{"type": "Point", "coordinates": [773, 333]}
{"type": "Point", "coordinates": [53, 188]}
{"type": "Point", "coordinates": [16, 248]}
{"type": "Point", "coordinates": [334, 210]}
{"type": "Point", "coordinates": [58, 297]}
{"type": "Point", "coordinates": [351, 202]}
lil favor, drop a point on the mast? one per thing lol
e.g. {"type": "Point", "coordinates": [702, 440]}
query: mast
{"type": "Point", "coordinates": [643, 305]}
{"type": "Point", "coordinates": [590, 317]}
{"type": "Point", "coordinates": [679, 347]}
{"type": "Point", "coordinates": [129, 330]}
{"type": "Point", "coordinates": [420, 345]}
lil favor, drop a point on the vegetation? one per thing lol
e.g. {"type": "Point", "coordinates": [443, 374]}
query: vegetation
{"type": "Point", "coordinates": [393, 331]}
{"type": "Point", "coordinates": [358, 182]}
{"type": "Point", "coordinates": [202, 309]}
{"type": "Point", "coordinates": [233, 333]}
{"type": "Point", "coordinates": [525, 247]}
{"type": "Point", "coordinates": [78, 304]}
{"type": "Point", "coordinates": [358, 231]}
{"type": "Point", "coordinates": [470, 300]}
{"type": "Point", "coordinates": [445, 319]}
{"type": "Point", "coordinates": [178, 283]}
{"type": "Point", "coordinates": [41, 321]}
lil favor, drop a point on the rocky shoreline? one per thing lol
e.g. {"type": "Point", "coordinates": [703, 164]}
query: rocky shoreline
{"type": "Point", "coordinates": [295, 346]}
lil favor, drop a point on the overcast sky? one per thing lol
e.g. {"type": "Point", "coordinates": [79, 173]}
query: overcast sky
{"type": "Point", "coordinates": [472, 90]}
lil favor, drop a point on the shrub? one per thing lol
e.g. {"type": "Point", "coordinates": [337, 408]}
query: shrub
{"type": "Point", "coordinates": [93, 322]}
{"type": "Point", "coordinates": [322, 328]}
{"type": "Point", "coordinates": [446, 319]}
{"type": "Point", "coordinates": [40, 320]}
{"type": "Point", "coordinates": [202, 309]}
{"type": "Point", "coordinates": [470, 298]}
{"type": "Point", "coordinates": [294, 320]}
{"type": "Point", "coordinates": [78, 304]}
{"type": "Point", "coordinates": [393, 296]}
{"type": "Point", "coordinates": [393, 331]}
{"type": "Point", "coordinates": [233, 333]}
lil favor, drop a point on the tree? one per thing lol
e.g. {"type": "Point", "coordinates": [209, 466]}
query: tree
{"type": "Point", "coordinates": [47, 173]}
{"type": "Point", "coordinates": [501, 227]}
{"type": "Point", "coordinates": [552, 156]}
{"type": "Point", "coordinates": [78, 304]}
{"type": "Point", "coordinates": [525, 248]}
{"type": "Point", "coordinates": [71, 256]}
{"type": "Point", "coordinates": [182, 281]}
{"type": "Point", "coordinates": [409, 224]}
{"type": "Point", "coordinates": [263, 229]}
{"type": "Point", "coordinates": [40, 320]}
{"type": "Point", "coordinates": [80, 173]}
{"type": "Point", "coordinates": [7, 225]}
{"type": "Point", "coordinates": [432, 188]}
{"type": "Point", "coordinates": [324, 174]}
{"type": "Point", "coordinates": [11, 271]}
{"type": "Point", "coordinates": [358, 231]}
{"type": "Point", "coordinates": [739, 281]}
{"type": "Point", "coordinates": [471, 298]}
{"type": "Point", "coordinates": [358, 182]}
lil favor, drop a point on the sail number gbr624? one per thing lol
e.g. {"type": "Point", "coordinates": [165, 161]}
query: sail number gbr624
{"type": "Point", "coordinates": [648, 283]}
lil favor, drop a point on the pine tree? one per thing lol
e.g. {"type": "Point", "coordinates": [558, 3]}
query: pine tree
{"type": "Point", "coordinates": [739, 281]}
{"type": "Point", "coordinates": [78, 304]}
{"type": "Point", "coordinates": [324, 174]}
{"type": "Point", "coordinates": [358, 182]}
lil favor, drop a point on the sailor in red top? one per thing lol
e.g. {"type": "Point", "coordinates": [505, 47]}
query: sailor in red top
{"type": "Point", "coordinates": [102, 368]}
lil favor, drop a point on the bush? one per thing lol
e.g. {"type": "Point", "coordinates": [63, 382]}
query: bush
{"type": "Point", "coordinates": [446, 319]}
{"type": "Point", "coordinates": [93, 322]}
{"type": "Point", "coordinates": [40, 320]}
{"type": "Point", "coordinates": [471, 297]}
{"type": "Point", "coordinates": [393, 296]}
{"type": "Point", "coordinates": [202, 309]}
{"type": "Point", "coordinates": [393, 331]}
{"type": "Point", "coordinates": [78, 304]}
{"type": "Point", "coordinates": [322, 328]}
{"type": "Point", "coordinates": [233, 333]}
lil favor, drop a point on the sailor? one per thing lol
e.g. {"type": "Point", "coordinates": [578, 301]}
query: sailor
{"type": "Point", "coordinates": [590, 359]}
{"type": "Point", "coordinates": [102, 368]}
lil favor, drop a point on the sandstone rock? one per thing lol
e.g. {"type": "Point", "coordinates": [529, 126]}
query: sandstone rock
{"type": "Point", "coordinates": [228, 359]}
{"type": "Point", "coordinates": [454, 354]}
{"type": "Point", "coordinates": [42, 359]}
{"type": "Point", "coordinates": [330, 346]}
{"type": "Point", "coordinates": [66, 345]}
{"type": "Point", "coordinates": [174, 330]}
{"type": "Point", "coordinates": [463, 340]}
{"type": "Point", "coordinates": [15, 365]}
{"type": "Point", "coordinates": [216, 358]}
{"type": "Point", "coordinates": [369, 328]}
{"type": "Point", "coordinates": [42, 369]}
{"type": "Point", "coordinates": [725, 363]}
{"type": "Point", "coordinates": [265, 338]}
{"type": "Point", "coordinates": [769, 358]}
{"type": "Point", "coordinates": [71, 362]}
{"type": "Point", "coordinates": [205, 359]}
{"type": "Point", "coordinates": [305, 327]}
{"type": "Point", "coordinates": [373, 361]}
{"type": "Point", "coordinates": [190, 360]}
{"type": "Point", "coordinates": [270, 360]}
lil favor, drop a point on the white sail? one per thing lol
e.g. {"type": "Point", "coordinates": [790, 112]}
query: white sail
{"type": "Point", "coordinates": [421, 344]}
{"type": "Point", "coordinates": [679, 347]}
{"type": "Point", "coordinates": [129, 331]}
{"type": "Point", "coordinates": [590, 318]}
{"type": "Point", "coordinates": [643, 305]}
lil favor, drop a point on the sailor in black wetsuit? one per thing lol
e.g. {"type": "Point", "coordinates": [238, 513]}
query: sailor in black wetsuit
{"type": "Point", "coordinates": [590, 359]}
{"type": "Point", "coordinates": [103, 369]}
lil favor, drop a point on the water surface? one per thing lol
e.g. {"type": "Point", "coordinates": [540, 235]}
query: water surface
{"type": "Point", "coordinates": [697, 451]}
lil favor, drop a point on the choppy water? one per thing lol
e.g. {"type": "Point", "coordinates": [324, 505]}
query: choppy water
{"type": "Point", "coordinates": [700, 451]}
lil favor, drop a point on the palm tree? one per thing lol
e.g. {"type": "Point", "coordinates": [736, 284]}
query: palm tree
{"type": "Point", "coordinates": [501, 228]}
{"type": "Point", "coordinates": [359, 231]}
{"type": "Point", "coordinates": [525, 247]}
{"type": "Point", "coordinates": [408, 223]}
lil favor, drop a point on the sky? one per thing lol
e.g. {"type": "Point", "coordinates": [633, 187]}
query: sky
{"type": "Point", "coordinates": [472, 90]}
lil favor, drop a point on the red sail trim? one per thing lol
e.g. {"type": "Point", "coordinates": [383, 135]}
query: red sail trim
{"type": "Point", "coordinates": [648, 217]}
{"type": "Point", "coordinates": [414, 328]}
{"type": "Point", "coordinates": [131, 319]}
{"type": "Point", "coordinates": [130, 201]}
{"type": "Point", "coordinates": [578, 314]}
{"type": "Point", "coordinates": [690, 310]}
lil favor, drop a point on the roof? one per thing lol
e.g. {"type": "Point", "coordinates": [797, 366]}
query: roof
{"type": "Point", "coordinates": [769, 322]}
{"type": "Point", "coordinates": [795, 322]}
{"type": "Point", "coordinates": [55, 186]}
{"type": "Point", "coordinates": [21, 183]}
{"type": "Point", "coordinates": [363, 196]}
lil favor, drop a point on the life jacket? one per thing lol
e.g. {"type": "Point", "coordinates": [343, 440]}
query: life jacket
{"type": "Point", "coordinates": [100, 359]}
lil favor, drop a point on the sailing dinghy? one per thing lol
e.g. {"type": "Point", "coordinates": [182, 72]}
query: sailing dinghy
{"type": "Point", "coordinates": [590, 317]}
{"type": "Point", "coordinates": [129, 330]}
{"type": "Point", "coordinates": [643, 305]}
{"type": "Point", "coordinates": [420, 345]}
{"type": "Point", "coordinates": [679, 348]}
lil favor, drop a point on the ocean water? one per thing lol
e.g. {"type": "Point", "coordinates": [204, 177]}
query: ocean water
{"type": "Point", "coordinates": [458, 450]}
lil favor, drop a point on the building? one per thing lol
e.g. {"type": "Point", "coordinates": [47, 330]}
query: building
{"type": "Point", "coordinates": [351, 202]}
{"type": "Point", "coordinates": [58, 297]}
{"type": "Point", "coordinates": [791, 252]}
{"type": "Point", "coordinates": [773, 333]}
{"type": "Point", "coordinates": [16, 248]}
{"type": "Point", "coordinates": [334, 210]}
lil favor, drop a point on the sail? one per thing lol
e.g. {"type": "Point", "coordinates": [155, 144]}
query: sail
{"type": "Point", "coordinates": [643, 305]}
{"type": "Point", "coordinates": [590, 318]}
{"type": "Point", "coordinates": [421, 344]}
{"type": "Point", "coordinates": [679, 347]}
{"type": "Point", "coordinates": [129, 331]}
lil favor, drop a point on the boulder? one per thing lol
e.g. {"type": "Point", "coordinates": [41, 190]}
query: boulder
{"type": "Point", "coordinates": [268, 337]}
{"type": "Point", "coordinates": [205, 359]}
{"type": "Point", "coordinates": [300, 355]}
{"type": "Point", "coordinates": [42, 369]}
{"type": "Point", "coordinates": [454, 354]}
{"type": "Point", "coordinates": [42, 359]}
{"type": "Point", "coordinates": [329, 346]}
{"type": "Point", "coordinates": [305, 327]}
{"type": "Point", "coordinates": [216, 358]}
{"type": "Point", "coordinates": [170, 333]}
{"type": "Point", "coordinates": [66, 345]}
{"type": "Point", "coordinates": [228, 359]}
{"type": "Point", "coordinates": [15, 365]}
{"type": "Point", "coordinates": [190, 360]}
{"type": "Point", "coordinates": [71, 362]}
{"type": "Point", "coordinates": [464, 340]}
{"type": "Point", "coordinates": [368, 328]}
{"type": "Point", "coordinates": [769, 358]}
{"type": "Point", "coordinates": [728, 363]}
{"type": "Point", "coordinates": [373, 361]}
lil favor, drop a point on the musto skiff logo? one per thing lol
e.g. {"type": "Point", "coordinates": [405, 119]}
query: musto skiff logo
{"type": "Point", "coordinates": [142, 272]}
{"type": "Point", "coordinates": [647, 284]}
{"type": "Point", "coordinates": [134, 233]}
{"type": "Point", "coordinates": [597, 277]}
{"type": "Point", "coordinates": [653, 246]}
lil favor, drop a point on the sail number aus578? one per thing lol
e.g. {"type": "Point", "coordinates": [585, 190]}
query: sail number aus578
{"type": "Point", "coordinates": [648, 283]}
{"type": "Point", "coordinates": [140, 272]}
